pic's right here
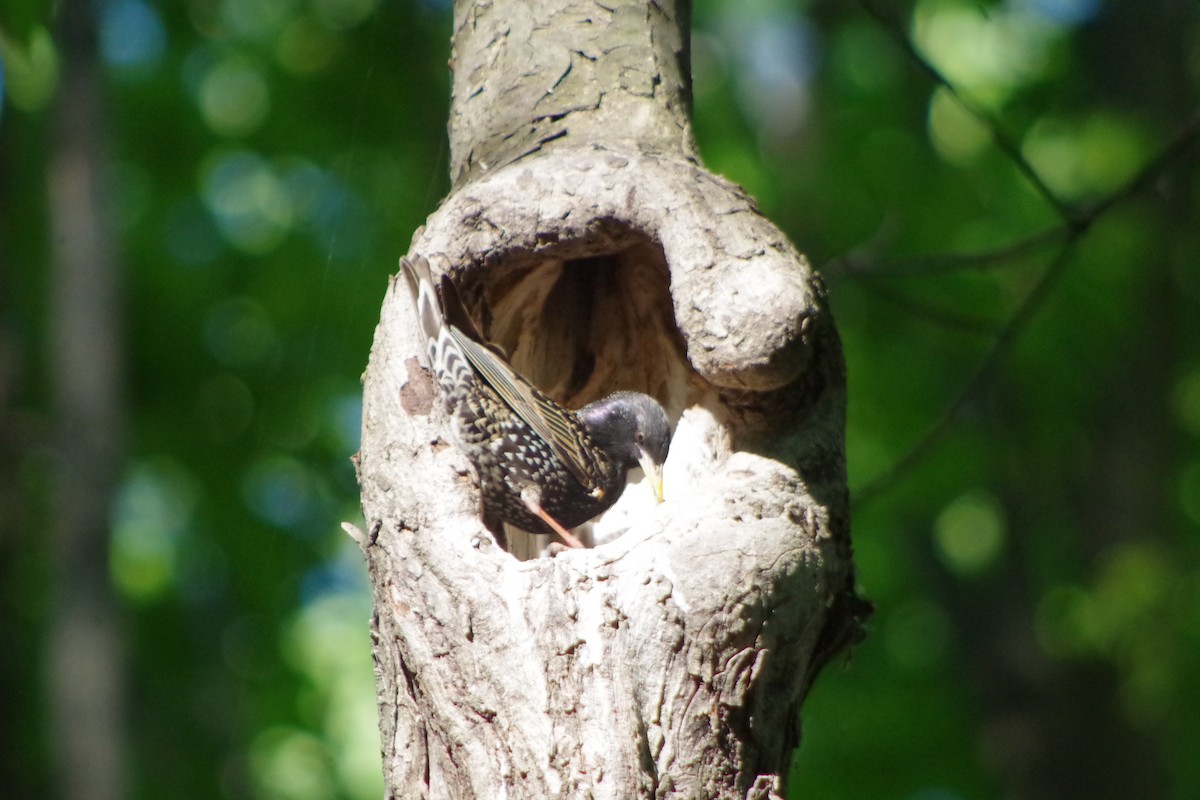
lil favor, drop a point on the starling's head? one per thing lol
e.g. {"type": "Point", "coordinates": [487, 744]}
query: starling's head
{"type": "Point", "coordinates": [633, 429]}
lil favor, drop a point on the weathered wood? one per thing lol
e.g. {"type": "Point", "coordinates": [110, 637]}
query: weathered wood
{"type": "Point", "coordinates": [672, 660]}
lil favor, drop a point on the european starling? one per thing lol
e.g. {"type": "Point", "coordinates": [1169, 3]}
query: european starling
{"type": "Point", "coordinates": [542, 467]}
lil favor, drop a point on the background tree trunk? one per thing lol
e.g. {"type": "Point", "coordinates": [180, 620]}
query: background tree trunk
{"type": "Point", "coordinates": [671, 661]}
{"type": "Point", "coordinates": [86, 645]}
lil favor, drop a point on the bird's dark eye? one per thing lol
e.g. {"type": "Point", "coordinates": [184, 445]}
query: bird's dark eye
{"type": "Point", "coordinates": [639, 438]}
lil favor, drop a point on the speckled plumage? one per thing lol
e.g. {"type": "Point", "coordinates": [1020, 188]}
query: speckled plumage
{"type": "Point", "coordinates": [534, 458]}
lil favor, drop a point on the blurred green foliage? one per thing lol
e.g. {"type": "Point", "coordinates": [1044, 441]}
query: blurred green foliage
{"type": "Point", "coordinates": [1035, 568]}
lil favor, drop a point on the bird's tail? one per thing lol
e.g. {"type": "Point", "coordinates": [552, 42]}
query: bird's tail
{"type": "Point", "coordinates": [447, 360]}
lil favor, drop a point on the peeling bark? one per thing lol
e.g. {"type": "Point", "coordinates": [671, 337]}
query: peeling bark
{"type": "Point", "coordinates": [672, 659]}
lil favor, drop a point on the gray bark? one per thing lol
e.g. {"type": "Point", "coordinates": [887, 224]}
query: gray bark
{"type": "Point", "coordinates": [672, 660]}
{"type": "Point", "coordinates": [85, 647]}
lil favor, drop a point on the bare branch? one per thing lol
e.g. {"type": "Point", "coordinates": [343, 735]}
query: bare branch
{"type": "Point", "coordinates": [869, 266]}
{"type": "Point", "coordinates": [1070, 234]}
{"type": "Point", "coordinates": [932, 314]}
{"type": "Point", "coordinates": [1000, 136]}
{"type": "Point", "coordinates": [982, 377]}
{"type": "Point", "coordinates": [1076, 223]}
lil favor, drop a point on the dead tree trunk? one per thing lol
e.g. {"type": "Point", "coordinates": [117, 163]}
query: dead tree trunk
{"type": "Point", "coordinates": [671, 661]}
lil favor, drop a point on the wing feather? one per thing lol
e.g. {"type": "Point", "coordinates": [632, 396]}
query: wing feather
{"type": "Point", "coordinates": [561, 429]}
{"type": "Point", "coordinates": [556, 425]}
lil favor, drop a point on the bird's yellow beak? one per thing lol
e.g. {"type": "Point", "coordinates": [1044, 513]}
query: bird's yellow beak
{"type": "Point", "coordinates": [653, 472]}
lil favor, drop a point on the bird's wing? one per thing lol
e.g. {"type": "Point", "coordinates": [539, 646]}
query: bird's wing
{"type": "Point", "coordinates": [558, 426]}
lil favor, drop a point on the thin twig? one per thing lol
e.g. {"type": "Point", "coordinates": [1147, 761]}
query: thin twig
{"type": "Point", "coordinates": [1005, 142]}
{"type": "Point", "coordinates": [935, 315]}
{"type": "Point", "coordinates": [1179, 145]}
{"type": "Point", "coordinates": [1184, 138]}
{"type": "Point", "coordinates": [974, 386]}
{"type": "Point", "coordinates": [1075, 222]}
{"type": "Point", "coordinates": [1176, 149]}
{"type": "Point", "coordinates": [867, 266]}
{"type": "Point", "coordinates": [1074, 226]}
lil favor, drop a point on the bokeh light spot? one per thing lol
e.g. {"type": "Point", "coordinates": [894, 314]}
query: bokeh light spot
{"type": "Point", "coordinates": [346, 418]}
{"type": "Point", "coordinates": [970, 533]}
{"type": "Point", "coordinates": [986, 52]}
{"type": "Point", "coordinates": [256, 19]}
{"type": "Point", "coordinates": [30, 71]}
{"type": "Point", "coordinates": [326, 643]}
{"type": "Point", "coordinates": [306, 47]}
{"type": "Point", "coordinates": [957, 135]}
{"type": "Point", "coordinates": [291, 764]}
{"type": "Point", "coordinates": [1077, 158]}
{"type": "Point", "coordinates": [777, 51]}
{"type": "Point", "coordinates": [250, 204]}
{"type": "Point", "coordinates": [132, 36]}
{"type": "Point", "coordinates": [341, 15]}
{"type": "Point", "coordinates": [280, 490]}
{"type": "Point", "coordinates": [1185, 398]}
{"type": "Point", "coordinates": [234, 98]}
{"type": "Point", "coordinates": [1063, 12]}
{"type": "Point", "coordinates": [150, 516]}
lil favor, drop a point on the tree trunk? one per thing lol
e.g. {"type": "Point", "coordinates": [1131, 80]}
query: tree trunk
{"type": "Point", "coordinates": [85, 645]}
{"type": "Point", "coordinates": [672, 660]}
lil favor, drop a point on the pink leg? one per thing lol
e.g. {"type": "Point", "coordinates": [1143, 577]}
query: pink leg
{"type": "Point", "coordinates": [531, 502]}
